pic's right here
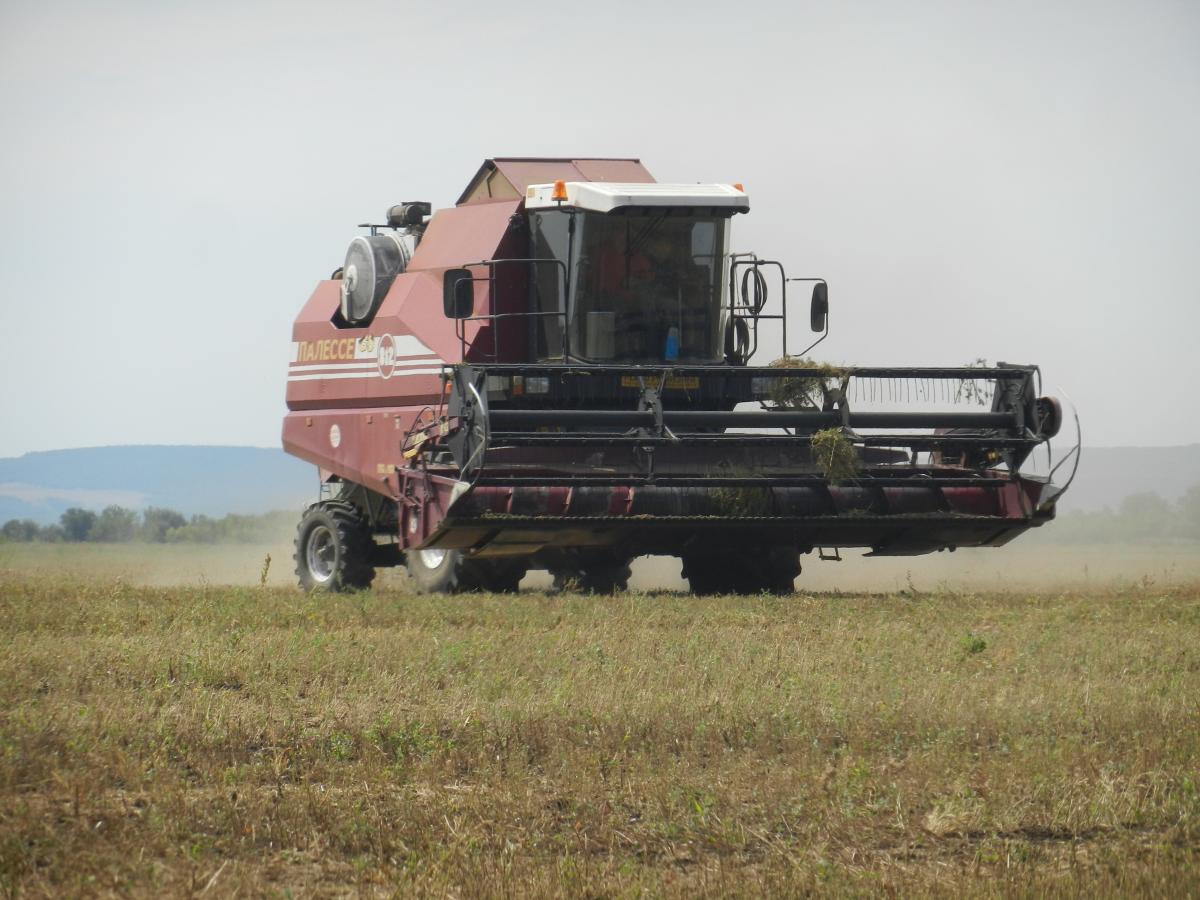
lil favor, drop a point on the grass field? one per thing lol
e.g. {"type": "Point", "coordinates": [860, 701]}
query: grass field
{"type": "Point", "coordinates": [942, 734]}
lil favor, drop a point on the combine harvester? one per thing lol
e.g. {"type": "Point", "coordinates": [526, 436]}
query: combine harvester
{"type": "Point", "coordinates": [554, 374]}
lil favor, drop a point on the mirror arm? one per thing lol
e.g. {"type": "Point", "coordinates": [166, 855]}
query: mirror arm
{"type": "Point", "coordinates": [818, 340]}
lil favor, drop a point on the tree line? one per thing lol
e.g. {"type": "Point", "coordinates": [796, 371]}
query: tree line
{"type": "Point", "coordinates": [1140, 518]}
{"type": "Point", "coordinates": [1143, 518]}
{"type": "Point", "coordinates": [155, 525]}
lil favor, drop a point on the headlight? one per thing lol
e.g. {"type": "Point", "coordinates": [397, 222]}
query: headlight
{"type": "Point", "coordinates": [497, 385]}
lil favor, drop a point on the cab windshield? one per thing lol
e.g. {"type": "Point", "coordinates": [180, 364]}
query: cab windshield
{"type": "Point", "coordinates": [644, 286]}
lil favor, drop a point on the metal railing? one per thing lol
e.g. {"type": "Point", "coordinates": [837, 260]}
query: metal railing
{"type": "Point", "coordinates": [748, 303]}
{"type": "Point", "coordinates": [495, 317]}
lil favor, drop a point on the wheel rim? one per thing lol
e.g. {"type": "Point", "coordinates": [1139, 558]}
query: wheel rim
{"type": "Point", "coordinates": [432, 559]}
{"type": "Point", "coordinates": [321, 553]}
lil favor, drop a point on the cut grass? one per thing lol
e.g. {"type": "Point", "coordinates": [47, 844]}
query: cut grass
{"type": "Point", "coordinates": [255, 740]}
{"type": "Point", "coordinates": [835, 455]}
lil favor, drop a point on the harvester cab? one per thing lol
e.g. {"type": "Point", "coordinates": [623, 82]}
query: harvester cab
{"type": "Point", "coordinates": [556, 374]}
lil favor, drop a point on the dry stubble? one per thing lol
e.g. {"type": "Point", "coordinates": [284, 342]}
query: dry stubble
{"type": "Point", "coordinates": [240, 740]}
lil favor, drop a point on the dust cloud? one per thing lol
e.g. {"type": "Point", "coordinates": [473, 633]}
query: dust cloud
{"type": "Point", "coordinates": [1032, 567]}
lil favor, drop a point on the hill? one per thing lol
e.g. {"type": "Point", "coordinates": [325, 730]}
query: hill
{"type": "Point", "coordinates": [219, 480]}
{"type": "Point", "coordinates": [192, 479]}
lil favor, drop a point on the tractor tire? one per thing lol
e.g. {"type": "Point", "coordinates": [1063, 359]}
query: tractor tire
{"type": "Point", "coordinates": [334, 548]}
{"type": "Point", "coordinates": [608, 577]}
{"type": "Point", "coordinates": [497, 576]}
{"type": "Point", "coordinates": [771, 570]}
{"type": "Point", "coordinates": [453, 572]}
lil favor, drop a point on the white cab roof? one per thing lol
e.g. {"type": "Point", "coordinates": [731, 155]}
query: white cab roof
{"type": "Point", "coordinates": [605, 196]}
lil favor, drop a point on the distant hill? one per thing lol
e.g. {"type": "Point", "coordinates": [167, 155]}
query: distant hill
{"type": "Point", "coordinates": [194, 480]}
{"type": "Point", "coordinates": [219, 480]}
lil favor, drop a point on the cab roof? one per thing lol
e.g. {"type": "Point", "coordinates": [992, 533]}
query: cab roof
{"type": "Point", "coordinates": [725, 199]}
{"type": "Point", "coordinates": [508, 177]}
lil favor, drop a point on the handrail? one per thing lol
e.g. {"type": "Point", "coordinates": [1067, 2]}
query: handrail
{"type": "Point", "coordinates": [752, 263]}
{"type": "Point", "coordinates": [491, 264]}
{"type": "Point", "coordinates": [734, 307]}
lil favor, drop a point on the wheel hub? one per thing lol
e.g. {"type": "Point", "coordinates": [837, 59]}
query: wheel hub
{"type": "Point", "coordinates": [432, 559]}
{"type": "Point", "coordinates": [320, 553]}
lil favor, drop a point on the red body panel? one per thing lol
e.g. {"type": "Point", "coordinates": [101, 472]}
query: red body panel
{"type": "Point", "coordinates": [353, 393]}
{"type": "Point", "coordinates": [462, 234]}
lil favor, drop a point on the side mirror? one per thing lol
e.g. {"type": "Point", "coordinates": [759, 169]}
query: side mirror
{"type": "Point", "coordinates": [458, 293]}
{"type": "Point", "coordinates": [819, 310]}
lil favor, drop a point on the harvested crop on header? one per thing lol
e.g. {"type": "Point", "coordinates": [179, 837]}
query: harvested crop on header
{"type": "Point", "coordinates": [835, 455]}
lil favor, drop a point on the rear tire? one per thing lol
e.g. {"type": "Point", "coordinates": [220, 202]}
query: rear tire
{"type": "Point", "coordinates": [605, 577]}
{"type": "Point", "coordinates": [453, 572]}
{"type": "Point", "coordinates": [770, 570]}
{"type": "Point", "coordinates": [333, 548]}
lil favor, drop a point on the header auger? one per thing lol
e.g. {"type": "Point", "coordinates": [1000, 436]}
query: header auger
{"type": "Point", "coordinates": [555, 374]}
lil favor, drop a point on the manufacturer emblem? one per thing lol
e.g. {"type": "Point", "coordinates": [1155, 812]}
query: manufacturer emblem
{"type": "Point", "coordinates": [385, 356]}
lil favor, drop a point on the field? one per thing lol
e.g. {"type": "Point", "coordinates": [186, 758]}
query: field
{"type": "Point", "coordinates": [1020, 722]}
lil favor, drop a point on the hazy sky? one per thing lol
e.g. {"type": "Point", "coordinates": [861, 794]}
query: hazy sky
{"type": "Point", "coordinates": [1016, 181]}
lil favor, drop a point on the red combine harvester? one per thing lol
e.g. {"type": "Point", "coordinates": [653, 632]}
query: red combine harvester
{"type": "Point", "coordinates": [554, 374]}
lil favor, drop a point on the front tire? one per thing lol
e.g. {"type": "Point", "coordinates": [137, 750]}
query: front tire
{"type": "Point", "coordinates": [453, 572]}
{"type": "Point", "coordinates": [333, 548]}
{"type": "Point", "coordinates": [770, 570]}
